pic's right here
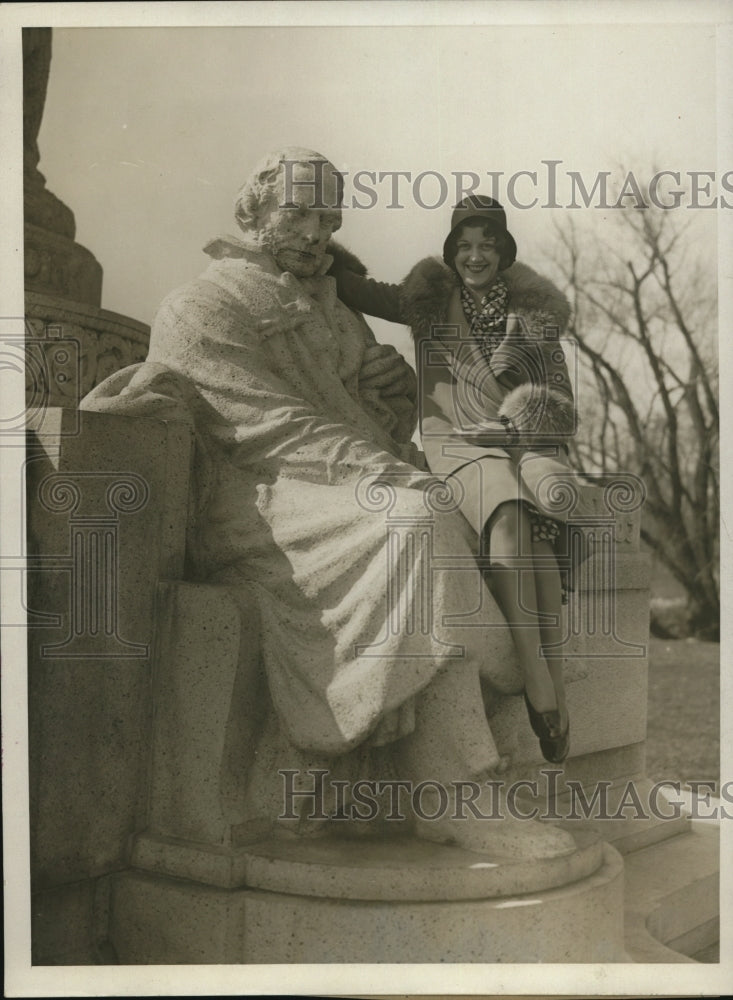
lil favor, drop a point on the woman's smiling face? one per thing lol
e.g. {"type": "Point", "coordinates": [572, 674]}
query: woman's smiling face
{"type": "Point", "coordinates": [477, 259]}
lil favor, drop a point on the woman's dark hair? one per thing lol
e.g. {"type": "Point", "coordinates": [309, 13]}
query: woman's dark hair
{"type": "Point", "coordinates": [504, 247]}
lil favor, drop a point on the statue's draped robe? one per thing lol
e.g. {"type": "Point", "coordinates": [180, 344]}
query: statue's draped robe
{"type": "Point", "coordinates": [304, 474]}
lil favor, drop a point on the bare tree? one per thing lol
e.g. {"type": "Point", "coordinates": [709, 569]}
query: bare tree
{"type": "Point", "coordinates": [645, 320]}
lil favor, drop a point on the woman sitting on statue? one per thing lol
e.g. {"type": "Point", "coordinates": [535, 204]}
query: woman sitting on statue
{"type": "Point", "coordinates": [495, 407]}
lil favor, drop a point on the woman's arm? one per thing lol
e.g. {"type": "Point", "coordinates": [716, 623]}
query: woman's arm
{"type": "Point", "coordinates": [365, 295]}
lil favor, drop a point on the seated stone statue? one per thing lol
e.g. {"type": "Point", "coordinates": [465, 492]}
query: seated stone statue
{"type": "Point", "coordinates": [315, 509]}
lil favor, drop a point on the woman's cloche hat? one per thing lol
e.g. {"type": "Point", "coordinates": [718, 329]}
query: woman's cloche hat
{"type": "Point", "coordinates": [483, 210]}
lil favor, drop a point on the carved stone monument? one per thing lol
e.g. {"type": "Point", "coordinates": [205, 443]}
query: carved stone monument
{"type": "Point", "coordinates": [140, 707]}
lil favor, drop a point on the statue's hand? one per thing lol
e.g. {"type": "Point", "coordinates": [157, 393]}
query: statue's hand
{"type": "Point", "coordinates": [383, 368]}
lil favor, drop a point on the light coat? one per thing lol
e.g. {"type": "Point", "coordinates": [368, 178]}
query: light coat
{"type": "Point", "coordinates": [463, 397]}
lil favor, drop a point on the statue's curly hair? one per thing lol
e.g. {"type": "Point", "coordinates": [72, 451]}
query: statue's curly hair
{"type": "Point", "coordinates": [258, 190]}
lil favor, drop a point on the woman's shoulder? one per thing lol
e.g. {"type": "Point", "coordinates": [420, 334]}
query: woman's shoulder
{"type": "Point", "coordinates": [530, 292]}
{"type": "Point", "coordinates": [428, 276]}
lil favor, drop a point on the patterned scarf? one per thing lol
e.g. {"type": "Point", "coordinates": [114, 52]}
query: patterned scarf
{"type": "Point", "coordinates": [487, 324]}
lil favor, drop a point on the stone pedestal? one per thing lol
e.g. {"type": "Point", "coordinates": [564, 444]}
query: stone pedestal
{"type": "Point", "coordinates": [132, 706]}
{"type": "Point", "coordinates": [153, 720]}
{"type": "Point", "coordinates": [392, 902]}
{"type": "Point", "coordinates": [346, 866]}
{"type": "Point", "coordinates": [103, 527]}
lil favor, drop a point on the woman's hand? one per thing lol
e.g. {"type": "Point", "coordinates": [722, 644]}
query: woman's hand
{"type": "Point", "coordinates": [383, 368]}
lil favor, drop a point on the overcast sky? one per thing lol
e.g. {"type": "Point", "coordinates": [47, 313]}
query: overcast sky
{"type": "Point", "coordinates": [149, 132]}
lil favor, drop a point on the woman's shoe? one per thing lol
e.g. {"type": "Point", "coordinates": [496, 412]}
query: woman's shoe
{"type": "Point", "coordinates": [554, 741]}
{"type": "Point", "coordinates": [544, 724]}
{"type": "Point", "coordinates": [555, 749]}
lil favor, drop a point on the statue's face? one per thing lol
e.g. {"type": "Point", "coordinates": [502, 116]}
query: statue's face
{"type": "Point", "coordinates": [297, 232]}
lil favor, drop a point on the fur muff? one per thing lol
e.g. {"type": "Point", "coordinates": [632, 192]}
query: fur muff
{"type": "Point", "coordinates": [535, 415]}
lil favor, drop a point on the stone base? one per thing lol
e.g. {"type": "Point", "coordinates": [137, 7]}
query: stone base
{"type": "Point", "coordinates": [398, 868]}
{"type": "Point", "coordinates": [55, 265]}
{"type": "Point", "coordinates": [158, 919]}
{"type": "Point", "coordinates": [69, 924]}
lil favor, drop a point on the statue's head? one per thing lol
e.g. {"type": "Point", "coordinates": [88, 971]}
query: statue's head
{"type": "Point", "coordinates": [291, 205]}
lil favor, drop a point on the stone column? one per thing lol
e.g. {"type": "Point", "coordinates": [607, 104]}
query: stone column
{"type": "Point", "coordinates": [72, 344]}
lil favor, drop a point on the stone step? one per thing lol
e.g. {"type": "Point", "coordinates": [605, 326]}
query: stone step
{"type": "Point", "coordinates": [709, 954]}
{"type": "Point", "coordinates": [699, 943]}
{"type": "Point", "coordinates": [637, 828]}
{"type": "Point", "coordinates": [631, 834]}
{"type": "Point", "coordinates": [672, 896]}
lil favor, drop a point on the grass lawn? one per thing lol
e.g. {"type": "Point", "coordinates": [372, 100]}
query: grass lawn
{"type": "Point", "coordinates": [683, 725]}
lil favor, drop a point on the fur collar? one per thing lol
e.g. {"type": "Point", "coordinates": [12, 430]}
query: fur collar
{"type": "Point", "coordinates": [427, 289]}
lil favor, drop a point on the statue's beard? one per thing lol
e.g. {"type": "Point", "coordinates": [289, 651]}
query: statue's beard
{"type": "Point", "coordinates": [302, 262]}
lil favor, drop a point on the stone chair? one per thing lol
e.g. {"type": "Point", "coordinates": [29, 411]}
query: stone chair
{"type": "Point", "coordinates": [143, 694]}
